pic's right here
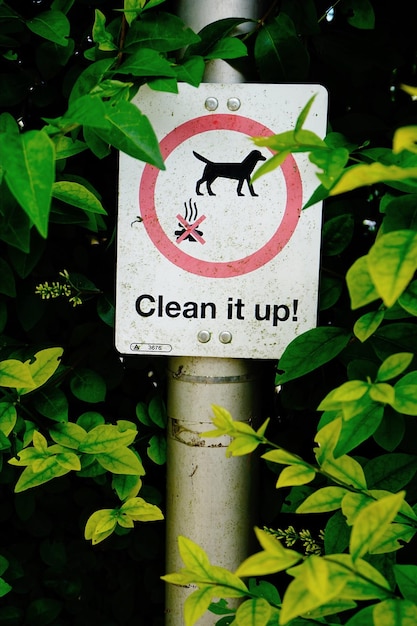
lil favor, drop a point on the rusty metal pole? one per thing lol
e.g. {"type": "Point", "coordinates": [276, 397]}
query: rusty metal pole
{"type": "Point", "coordinates": [209, 496]}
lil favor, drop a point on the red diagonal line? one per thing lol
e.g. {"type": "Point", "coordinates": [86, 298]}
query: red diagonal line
{"type": "Point", "coordinates": [190, 229]}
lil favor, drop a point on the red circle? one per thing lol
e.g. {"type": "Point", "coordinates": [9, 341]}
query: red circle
{"type": "Point", "coordinates": [212, 269]}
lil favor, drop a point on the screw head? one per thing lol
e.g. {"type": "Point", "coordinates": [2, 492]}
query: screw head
{"type": "Point", "coordinates": [225, 336]}
{"type": "Point", "coordinates": [204, 336]}
{"type": "Point", "coordinates": [211, 103]}
{"type": "Point", "coordinates": [233, 104]}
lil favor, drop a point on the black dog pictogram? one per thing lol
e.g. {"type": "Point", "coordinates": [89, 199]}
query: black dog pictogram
{"type": "Point", "coordinates": [237, 171]}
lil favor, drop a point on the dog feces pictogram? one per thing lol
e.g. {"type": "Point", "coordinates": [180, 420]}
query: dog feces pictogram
{"type": "Point", "coordinates": [237, 171]}
{"type": "Point", "coordinates": [188, 228]}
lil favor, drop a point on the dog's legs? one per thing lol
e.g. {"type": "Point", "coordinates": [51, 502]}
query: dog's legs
{"type": "Point", "coordinates": [239, 187]}
{"type": "Point", "coordinates": [197, 187]}
{"type": "Point", "coordinates": [251, 189]}
{"type": "Point", "coordinates": [209, 189]}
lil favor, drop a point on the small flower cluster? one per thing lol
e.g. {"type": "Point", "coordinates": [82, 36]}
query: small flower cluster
{"type": "Point", "coordinates": [57, 289]}
{"type": "Point", "coordinates": [290, 536]}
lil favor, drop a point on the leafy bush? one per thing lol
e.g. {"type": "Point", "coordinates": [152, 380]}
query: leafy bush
{"type": "Point", "coordinates": [78, 425]}
{"type": "Point", "coordinates": [362, 479]}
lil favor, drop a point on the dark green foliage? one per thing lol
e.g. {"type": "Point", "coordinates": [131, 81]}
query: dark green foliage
{"type": "Point", "coordinates": [68, 70]}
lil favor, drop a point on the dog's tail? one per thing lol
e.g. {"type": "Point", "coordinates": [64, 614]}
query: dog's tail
{"type": "Point", "coordinates": [201, 158]}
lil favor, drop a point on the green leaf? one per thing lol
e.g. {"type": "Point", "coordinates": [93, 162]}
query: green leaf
{"type": "Point", "coordinates": [359, 427]}
{"type": "Point", "coordinates": [382, 392]}
{"type": "Point", "coordinates": [279, 52]}
{"type": "Point", "coordinates": [77, 195]}
{"type": "Point", "coordinates": [350, 391]}
{"type": "Point", "coordinates": [406, 394]}
{"type": "Point", "coordinates": [361, 288]}
{"type": "Point", "coordinates": [408, 299]}
{"type": "Point", "coordinates": [68, 434]}
{"type": "Point", "coordinates": [406, 578]}
{"type": "Point", "coordinates": [8, 417]}
{"type": "Point", "coordinates": [364, 175]}
{"type": "Point", "coordinates": [254, 612]}
{"type": "Point", "coordinates": [51, 25]}
{"type": "Point", "coordinates": [101, 36]}
{"type": "Point", "coordinates": [332, 162]}
{"type": "Point", "coordinates": [52, 403]}
{"type": "Point", "coordinates": [337, 234]}
{"type": "Point", "coordinates": [162, 31]}
{"type": "Point", "coordinates": [392, 261]}
{"type": "Point", "coordinates": [29, 478]}
{"type": "Point", "coordinates": [367, 324]}
{"type": "Point", "coordinates": [371, 523]}
{"type": "Point", "coordinates": [197, 603]}
{"type": "Point", "coordinates": [191, 71]}
{"type": "Point", "coordinates": [336, 534]}
{"type": "Point", "coordinates": [274, 557]}
{"type": "Point", "coordinates": [4, 588]}
{"type": "Point", "coordinates": [157, 411]}
{"type": "Point", "coordinates": [359, 13]}
{"type": "Point", "coordinates": [15, 374]}
{"type": "Point", "coordinates": [163, 84]}
{"type": "Point", "coordinates": [29, 162]}
{"type": "Point", "coordinates": [295, 475]}
{"type": "Point", "coordinates": [7, 281]}
{"type": "Point", "coordinates": [88, 385]}
{"type": "Point", "coordinates": [311, 350]}
{"type": "Point", "coordinates": [317, 582]}
{"type": "Point", "coordinates": [285, 458]}
{"type": "Point", "coordinates": [141, 511]}
{"type": "Point", "coordinates": [146, 62]}
{"type": "Point", "coordinates": [90, 419]}
{"type": "Point", "coordinates": [211, 34]}
{"type": "Point", "coordinates": [395, 612]}
{"type": "Point", "coordinates": [105, 438]}
{"type": "Point", "coordinates": [121, 461]}
{"type": "Point", "coordinates": [322, 500]}
{"type": "Point", "coordinates": [394, 365]}
{"type": "Point", "coordinates": [43, 366]}
{"type": "Point", "coordinates": [194, 557]}
{"type": "Point", "coordinates": [69, 461]}
{"type": "Point", "coordinates": [43, 611]}
{"type": "Point", "coordinates": [157, 449]}
{"type": "Point", "coordinates": [130, 131]}
{"type": "Point", "coordinates": [227, 48]}
{"type": "Point", "coordinates": [126, 486]}
{"type": "Point", "coordinates": [390, 471]}
{"type": "Point", "coordinates": [100, 525]}
{"type": "Point", "coordinates": [142, 414]}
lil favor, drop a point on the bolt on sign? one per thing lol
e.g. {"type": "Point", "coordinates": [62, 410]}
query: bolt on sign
{"type": "Point", "coordinates": [210, 263]}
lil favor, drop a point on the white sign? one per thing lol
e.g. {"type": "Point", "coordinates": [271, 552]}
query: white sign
{"type": "Point", "coordinates": [209, 264]}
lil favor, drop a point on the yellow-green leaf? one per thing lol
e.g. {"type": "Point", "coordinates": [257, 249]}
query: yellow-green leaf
{"type": "Point", "coordinates": [77, 195]}
{"type": "Point", "coordinates": [194, 558]}
{"type": "Point", "coordinates": [197, 603]}
{"type": "Point", "coordinates": [42, 367]}
{"type": "Point", "coordinates": [364, 175]}
{"type": "Point", "coordinates": [140, 510]}
{"type": "Point", "coordinates": [121, 461]}
{"type": "Point", "coordinates": [322, 500]}
{"type": "Point", "coordinates": [392, 261]}
{"type": "Point", "coordinates": [14, 373]}
{"type": "Point", "coordinates": [254, 612]}
{"type": "Point", "coordinates": [295, 475]}
{"type": "Point", "coordinates": [274, 558]}
{"type": "Point", "coordinates": [371, 523]}
{"type": "Point", "coordinates": [395, 612]}
{"type": "Point", "coordinates": [367, 324]}
{"type": "Point", "coordinates": [405, 138]}
{"type": "Point", "coordinates": [361, 288]}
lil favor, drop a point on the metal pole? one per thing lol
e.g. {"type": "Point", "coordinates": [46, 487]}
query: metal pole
{"type": "Point", "coordinates": [209, 496]}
